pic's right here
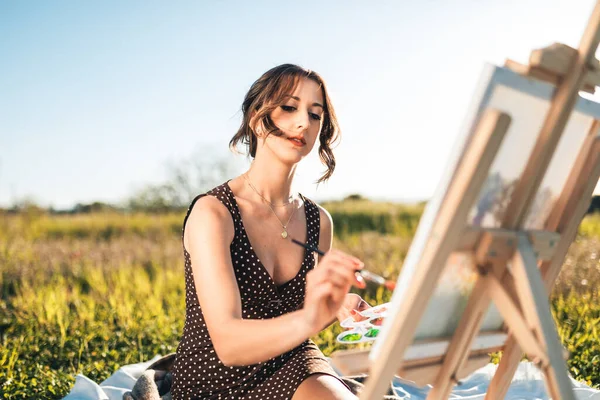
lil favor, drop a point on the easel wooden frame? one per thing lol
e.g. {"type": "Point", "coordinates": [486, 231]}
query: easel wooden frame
{"type": "Point", "coordinates": [520, 291]}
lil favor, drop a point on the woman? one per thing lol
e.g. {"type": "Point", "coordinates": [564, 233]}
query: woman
{"type": "Point", "coordinates": [253, 297]}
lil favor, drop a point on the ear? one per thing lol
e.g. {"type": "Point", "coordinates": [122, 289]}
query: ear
{"type": "Point", "coordinates": [256, 131]}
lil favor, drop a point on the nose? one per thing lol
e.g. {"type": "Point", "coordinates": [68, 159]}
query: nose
{"type": "Point", "coordinates": [302, 120]}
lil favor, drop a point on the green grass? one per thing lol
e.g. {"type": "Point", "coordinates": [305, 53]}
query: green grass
{"type": "Point", "coordinates": [88, 294]}
{"type": "Point", "coordinates": [590, 226]}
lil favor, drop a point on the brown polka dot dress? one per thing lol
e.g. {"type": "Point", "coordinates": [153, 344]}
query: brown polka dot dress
{"type": "Point", "coordinates": [197, 372]}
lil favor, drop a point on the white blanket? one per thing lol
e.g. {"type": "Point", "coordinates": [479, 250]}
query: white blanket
{"type": "Point", "coordinates": [527, 384]}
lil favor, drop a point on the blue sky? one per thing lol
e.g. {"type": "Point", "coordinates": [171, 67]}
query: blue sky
{"type": "Point", "coordinates": [95, 97]}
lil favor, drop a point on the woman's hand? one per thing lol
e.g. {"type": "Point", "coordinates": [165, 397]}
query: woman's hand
{"type": "Point", "coordinates": [353, 304]}
{"type": "Point", "coordinates": [327, 286]}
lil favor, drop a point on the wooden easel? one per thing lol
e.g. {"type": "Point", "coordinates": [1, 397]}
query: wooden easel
{"type": "Point", "coordinates": [511, 272]}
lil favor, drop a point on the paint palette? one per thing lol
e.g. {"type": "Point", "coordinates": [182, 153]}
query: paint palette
{"type": "Point", "coordinates": [366, 329]}
{"type": "Point", "coordinates": [358, 335]}
{"type": "Point", "coordinates": [350, 322]}
{"type": "Point", "coordinates": [379, 310]}
{"type": "Point", "coordinates": [365, 315]}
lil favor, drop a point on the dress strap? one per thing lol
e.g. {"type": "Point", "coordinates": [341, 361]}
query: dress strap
{"type": "Point", "coordinates": [313, 220]}
{"type": "Point", "coordinates": [222, 193]}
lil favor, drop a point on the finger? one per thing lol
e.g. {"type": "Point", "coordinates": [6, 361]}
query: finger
{"type": "Point", "coordinates": [342, 276]}
{"type": "Point", "coordinates": [340, 266]}
{"type": "Point", "coordinates": [322, 290]}
{"type": "Point", "coordinates": [337, 266]}
{"type": "Point", "coordinates": [350, 264]}
{"type": "Point", "coordinates": [337, 293]}
{"type": "Point", "coordinates": [345, 256]}
{"type": "Point", "coordinates": [335, 277]}
{"type": "Point", "coordinates": [363, 305]}
{"type": "Point", "coordinates": [352, 300]}
{"type": "Point", "coordinates": [333, 269]}
{"type": "Point", "coordinates": [359, 281]}
{"type": "Point", "coordinates": [356, 315]}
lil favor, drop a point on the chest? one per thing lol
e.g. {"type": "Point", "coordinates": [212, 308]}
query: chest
{"type": "Point", "coordinates": [280, 257]}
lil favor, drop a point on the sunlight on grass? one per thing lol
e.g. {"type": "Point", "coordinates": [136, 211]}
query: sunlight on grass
{"type": "Point", "coordinates": [88, 294]}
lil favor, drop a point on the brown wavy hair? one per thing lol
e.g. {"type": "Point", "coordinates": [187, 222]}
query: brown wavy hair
{"type": "Point", "coordinates": [269, 92]}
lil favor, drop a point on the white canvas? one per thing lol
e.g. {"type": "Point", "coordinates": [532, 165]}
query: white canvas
{"type": "Point", "coordinates": [526, 100]}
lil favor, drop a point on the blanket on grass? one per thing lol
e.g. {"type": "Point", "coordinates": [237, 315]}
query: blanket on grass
{"type": "Point", "coordinates": [151, 380]}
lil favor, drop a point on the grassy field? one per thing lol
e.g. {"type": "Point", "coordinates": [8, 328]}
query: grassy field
{"type": "Point", "coordinates": [90, 293]}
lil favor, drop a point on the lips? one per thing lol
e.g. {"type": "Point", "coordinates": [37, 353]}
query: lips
{"type": "Point", "coordinates": [297, 140]}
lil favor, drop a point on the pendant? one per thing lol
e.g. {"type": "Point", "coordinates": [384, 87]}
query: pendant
{"type": "Point", "coordinates": [284, 234]}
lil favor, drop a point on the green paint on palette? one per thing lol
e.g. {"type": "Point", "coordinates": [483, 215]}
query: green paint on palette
{"type": "Point", "coordinates": [373, 332]}
{"type": "Point", "coordinates": [352, 337]}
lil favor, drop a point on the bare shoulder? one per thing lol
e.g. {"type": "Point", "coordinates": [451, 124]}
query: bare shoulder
{"type": "Point", "coordinates": [209, 204]}
{"type": "Point", "coordinates": [325, 218]}
{"type": "Point", "coordinates": [325, 229]}
{"type": "Point", "coordinates": [209, 216]}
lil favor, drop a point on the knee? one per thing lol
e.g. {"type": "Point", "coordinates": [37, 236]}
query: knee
{"type": "Point", "coordinates": [323, 386]}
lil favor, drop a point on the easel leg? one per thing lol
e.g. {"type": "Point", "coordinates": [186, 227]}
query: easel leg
{"type": "Point", "coordinates": [565, 219]}
{"type": "Point", "coordinates": [511, 356]}
{"type": "Point", "coordinates": [534, 301]}
{"type": "Point", "coordinates": [458, 350]}
{"type": "Point", "coordinates": [469, 325]}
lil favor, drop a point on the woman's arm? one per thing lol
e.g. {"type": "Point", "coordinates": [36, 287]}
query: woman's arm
{"type": "Point", "coordinates": [239, 341]}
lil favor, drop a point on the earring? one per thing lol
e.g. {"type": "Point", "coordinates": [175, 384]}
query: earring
{"type": "Point", "coordinates": [258, 131]}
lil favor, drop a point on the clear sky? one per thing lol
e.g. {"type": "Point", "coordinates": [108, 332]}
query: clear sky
{"type": "Point", "coordinates": [95, 96]}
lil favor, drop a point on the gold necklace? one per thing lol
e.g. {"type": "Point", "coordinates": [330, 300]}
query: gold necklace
{"type": "Point", "coordinates": [284, 234]}
{"type": "Point", "coordinates": [261, 196]}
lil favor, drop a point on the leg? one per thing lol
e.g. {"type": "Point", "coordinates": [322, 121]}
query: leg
{"type": "Point", "coordinates": [322, 386]}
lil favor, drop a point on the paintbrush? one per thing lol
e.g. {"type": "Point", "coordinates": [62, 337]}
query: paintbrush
{"type": "Point", "coordinates": [367, 275]}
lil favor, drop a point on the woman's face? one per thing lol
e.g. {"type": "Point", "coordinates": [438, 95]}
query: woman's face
{"type": "Point", "coordinates": [299, 117]}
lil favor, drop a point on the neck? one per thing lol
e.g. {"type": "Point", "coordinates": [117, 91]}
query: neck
{"type": "Point", "coordinates": [273, 182]}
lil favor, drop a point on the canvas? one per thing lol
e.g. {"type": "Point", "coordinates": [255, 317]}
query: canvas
{"type": "Point", "coordinates": [513, 191]}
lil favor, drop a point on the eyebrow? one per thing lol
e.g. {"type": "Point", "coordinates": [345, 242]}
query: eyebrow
{"type": "Point", "coordinates": [314, 104]}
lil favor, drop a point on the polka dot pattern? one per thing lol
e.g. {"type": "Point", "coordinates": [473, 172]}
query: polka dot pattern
{"type": "Point", "coordinates": [197, 372]}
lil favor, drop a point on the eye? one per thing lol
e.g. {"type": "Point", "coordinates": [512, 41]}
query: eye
{"type": "Point", "coordinates": [316, 117]}
{"type": "Point", "coordinates": [287, 108]}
